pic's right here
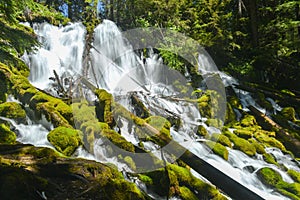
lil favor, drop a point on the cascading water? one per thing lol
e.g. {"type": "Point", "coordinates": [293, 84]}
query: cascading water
{"type": "Point", "coordinates": [116, 68]}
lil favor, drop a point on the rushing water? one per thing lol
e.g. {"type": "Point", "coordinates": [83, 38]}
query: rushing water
{"type": "Point", "coordinates": [115, 67]}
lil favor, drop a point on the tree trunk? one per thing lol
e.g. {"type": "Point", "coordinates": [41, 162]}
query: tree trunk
{"type": "Point", "coordinates": [252, 7]}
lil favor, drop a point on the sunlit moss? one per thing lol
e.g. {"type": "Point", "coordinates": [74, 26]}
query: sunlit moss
{"type": "Point", "coordinates": [65, 140]}
{"type": "Point", "coordinates": [218, 149]}
{"type": "Point", "coordinates": [6, 135]}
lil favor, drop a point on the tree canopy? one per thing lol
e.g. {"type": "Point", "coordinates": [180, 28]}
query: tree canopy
{"type": "Point", "coordinates": [254, 39]}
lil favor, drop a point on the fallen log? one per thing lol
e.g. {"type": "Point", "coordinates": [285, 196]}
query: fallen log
{"type": "Point", "coordinates": [285, 99]}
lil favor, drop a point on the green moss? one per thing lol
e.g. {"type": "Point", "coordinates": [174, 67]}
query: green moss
{"type": "Point", "coordinates": [244, 146]}
{"type": "Point", "coordinates": [222, 139]}
{"type": "Point", "coordinates": [186, 194]}
{"type": "Point", "coordinates": [169, 183]}
{"type": "Point", "coordinates": [289, 113]}
{"type": "Point", "coordinates": [234, 101]}
{"type": "Point", "coordinates": [128, 160]}
{"type": "Point", "coordinates": [269, 176]}
{"type": "Point", "coordinates": [145, 179]}
{"type": "Point", "coordinates": [214, 122]}
{"type": "Point", "coordinates": [295, 175]}
{"type": "Point", "coordinates": [269, 141]}
{"type": "Point", "coordinates": [241, 144]}
{"type": "Point", "coordinates": [6, 135]}
{"type": "Point", "coordinates": [201, 131]}
{"type": "Point", "coordinates": [209, 104]}
{"type": "Point", "coordinates": [269, 159]}
{"type": "Point", "coordinates": [104, 109]}
{"type": "Point", "coordinates": [243, 133]}
{"type": "Point", "coordinates": [272, 178]}
{"type": "Point", "coordinates": [12, 110]}
{"type": "Point", "coordinates": [218, 149]}
{"type": "Point", "coordinates": [248, 120]}
{"type": "Point", "coordinates": [230, 116]}
{"type": "Point", "coordinates": [163, 126]}
{"type": "Point", "coordinates": [65, 140]}
{"type": "Point", "coordinates": [117, 140]}
{"type": "Point", "coordinates": [258, 146]}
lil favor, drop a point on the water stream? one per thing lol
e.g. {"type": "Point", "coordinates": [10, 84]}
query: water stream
{"type": "Point", "coordinates": [117, 68]}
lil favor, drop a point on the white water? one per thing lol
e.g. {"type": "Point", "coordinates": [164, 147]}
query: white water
{"type": "Point", "coordinates": [118, 69]}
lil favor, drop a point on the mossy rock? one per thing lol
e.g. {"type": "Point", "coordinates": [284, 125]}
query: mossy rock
{"type": "Point", "coordinates": [269, 159]}
{"type": "Point", "coordinates": [235, 102]}
{"type": "Point", "coordinates": [218, 149]}
{"type": "Point", "coordinates": [244, 146]}
{"type": "Point", "coordinates": [117, 140]}
{"type": "Point", "coordinates": [289, 113]}
{"type": "Point", "coordinates": [269, 141]}
{"type": "Point", "coordinates": [128, 160]}
{"type": "Point", "coordinates": [230, 116]}
{"type": "Point", "coordinates": [169, 182]}
{"type": "Point", "coordinates": [295, 175]}
{"type": "Point", "coordinates": [104, 108]}
{"type": "Point", "coordinates": [12, 110]}
{"type": "Point", "coordinates": [222, 139]}
{"type": "Point", "coordinates": [217, 123]}
{"type": "Point", "coordinates": [163, 126]}
{"type": "Point", "coordinates": [6, 135]}
{"type": "Point", "coordinates": [258, 146]}
{"type": "Point", "coordinates": [243, 133]}
{"type": "Point", "coordinates": [248, 120]}
{"type": "Point", "coordinates": [272, 178]}
{"type": "Point", "coordinates": [51, 106]}
{"type": "Point", "coordinates": [186, 194]}
{"type": "Point", "coordinates": [210, 104]}
{"type": "Point", "coordinates": [201, 131]}
{"type": "Point", "coordinates": [241, 144]}
{"type": "Point", "coordinates": [65, 140]}
{"type": "Point", "coordinates": [269, 176]}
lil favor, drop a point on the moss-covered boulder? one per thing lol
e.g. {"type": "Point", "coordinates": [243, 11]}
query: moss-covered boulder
{"type": "Point", "coordinates": [201, 131]}
{"type": "Point", "coordinates": [12, 110]}
{"type": "Point", "coordinates": [218, 149]}
{"type": "Point", "coordinates": [268, 141]}
{"type": "Point", "coordinates": [222, 139]}
{"type": "Point", "coordinates": [258, 146]}
{"type": "Point", "coordinates": [104, 108]}
{"type": "Point", "coordinates": [241, 144]}
{"type": "Point", "coordinates": [243, 133]}
{"type": "Point", "coordinates": [295, 175]}
{"type": "Point", "coordinates": [6, 135]}
{"type": "Point", "coordinates": [65, 140]}
{"type": "Point", "coordinates": [248, 120]}
{"type": "Point", "coordinates": [273, 179]}
{"type": "Point", "coordinates": [55, 110]}
{"type": "Point", "coordinates": [269, 158]}
{"type": "Point", "coordinates": [230, 116]}
{"type": "Point", "coordinates": [289, 113]}
{"type": "Point", "coordinates": [174, 182]}
{"type": "Point", "coordinates": [217, 123]}
{"type": "Point", "coordinates": [211, 104]}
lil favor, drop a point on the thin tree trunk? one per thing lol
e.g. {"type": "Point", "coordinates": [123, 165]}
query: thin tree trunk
{"type": "Point", "coordinates": [252, 7]}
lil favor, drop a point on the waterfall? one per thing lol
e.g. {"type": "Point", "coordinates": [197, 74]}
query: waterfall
{"type": "Point", "coordinates": [117, 68]}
